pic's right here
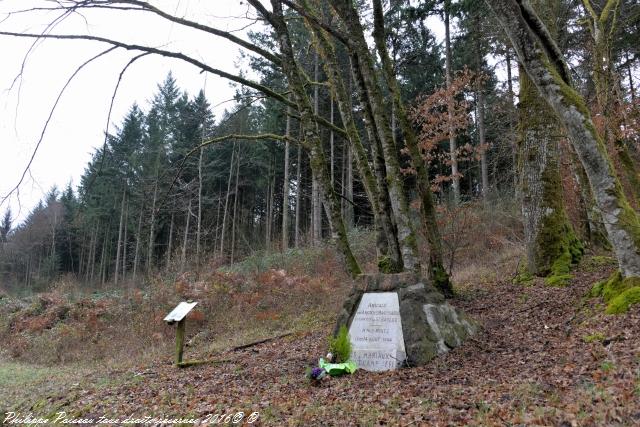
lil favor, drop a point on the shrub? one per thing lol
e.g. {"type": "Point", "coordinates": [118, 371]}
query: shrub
{"type": "Point", "coordinates": [340, 345]}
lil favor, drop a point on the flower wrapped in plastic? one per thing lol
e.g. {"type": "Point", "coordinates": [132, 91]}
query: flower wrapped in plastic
{"type": "Point", "coordinates": [317, 373]}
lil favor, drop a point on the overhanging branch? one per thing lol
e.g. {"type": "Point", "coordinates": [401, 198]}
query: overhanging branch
{"type": "Point", "coordinates": [147, 7]}
{"type": "Point", "coordinates": [176, 55]}
{"type": "Point", "coordinates": [166, 53]}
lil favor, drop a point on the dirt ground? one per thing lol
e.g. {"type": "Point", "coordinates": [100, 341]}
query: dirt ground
{"type": "Point", "coordinates": [543, 356]}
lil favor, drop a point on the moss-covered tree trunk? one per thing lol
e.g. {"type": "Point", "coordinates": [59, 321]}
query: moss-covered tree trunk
{"type": "Point", "coordinates": [552, 245]}
{"type": "Point", "coordinates": [595, 232]}
{"type": "Point", "coordinates": [546, 67]}
{"type": "Point", "coordinates": [370, 93]}
{"type": "Point", "coordinates": [311, 136]}
{"type": "Point", "coordinates": [389, 256]}
{"type": "Point", "coordinates": [602, 28]}
{"type": "Point", "coordinates": [550, 240]}
{"type": "Point", "coordinates": [437, 273]}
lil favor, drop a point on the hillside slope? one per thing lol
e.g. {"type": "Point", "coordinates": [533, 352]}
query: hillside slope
{"type": "Point", "coordinates": [545, 356]}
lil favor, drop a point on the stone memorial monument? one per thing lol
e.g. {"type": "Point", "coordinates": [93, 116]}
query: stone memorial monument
{"type": "Point", "coordinates": [399, 320]}
{"type": "Point", "coordinates": [376, 332]}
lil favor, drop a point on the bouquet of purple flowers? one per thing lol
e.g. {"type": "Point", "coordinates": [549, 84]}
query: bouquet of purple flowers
{"type": "Point", "coordinates": [315, 375]}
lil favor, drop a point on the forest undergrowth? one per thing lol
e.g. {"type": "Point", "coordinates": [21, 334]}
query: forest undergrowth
{"type": "Point", "coordinates": [543, 356]}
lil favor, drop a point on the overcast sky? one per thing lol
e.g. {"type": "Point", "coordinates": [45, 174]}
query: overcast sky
{"type": "Point", "coordinates": [78, 124]}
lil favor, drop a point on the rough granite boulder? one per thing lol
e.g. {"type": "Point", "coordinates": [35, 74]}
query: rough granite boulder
{"type": "Point", "coordinates": [430, 325]}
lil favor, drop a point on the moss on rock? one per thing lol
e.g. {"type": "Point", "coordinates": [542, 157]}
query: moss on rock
{"type": "Point", "coordinates": [609, 288]}
{"type": "Point", "coordinates": [626, 299]}
{"type": "Point", "coordinates": [619, 293]}
{"type": "Point", "coordinates": [629, 219]}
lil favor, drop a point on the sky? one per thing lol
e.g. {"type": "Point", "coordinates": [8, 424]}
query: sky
{"type": "Point", "coordinates": [79, 121]}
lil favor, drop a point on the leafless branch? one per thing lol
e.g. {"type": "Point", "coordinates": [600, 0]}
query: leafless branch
{"type": "Point", "coordinates": [146, 7]}
{"type": "Point", "coordinates": [162, 52]}
{"type": "Point", "coordinates": [106, 129]}
{"type": "Point", "coordinates": [44, 129]}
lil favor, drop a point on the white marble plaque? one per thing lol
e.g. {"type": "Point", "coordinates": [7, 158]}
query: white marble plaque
{"type": "Point", "coordinates": [376, 332]}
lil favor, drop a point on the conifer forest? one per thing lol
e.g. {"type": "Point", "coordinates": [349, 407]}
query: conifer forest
{"type": "Point", "coordinates": [476, 159]}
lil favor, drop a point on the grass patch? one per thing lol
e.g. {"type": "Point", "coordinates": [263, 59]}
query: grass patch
{"type": "Point", "coordinates": [596, 337]}
{"type": "Point", "coordinates": [607, 366]}
{"type": "Point", "coordinates": [21, 382]}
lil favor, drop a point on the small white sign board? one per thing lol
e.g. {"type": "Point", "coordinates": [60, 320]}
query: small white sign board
{"type": "Point", "coordinates": [181, 310]}
{"type": "Point", "coordinates": [377, 343]}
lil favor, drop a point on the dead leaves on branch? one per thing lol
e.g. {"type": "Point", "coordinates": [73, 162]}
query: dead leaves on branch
{"type": "Point", "coordinates": [442, 114]}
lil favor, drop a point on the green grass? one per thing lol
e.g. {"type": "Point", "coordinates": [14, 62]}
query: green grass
{"type": "Point", "coordinates": [595, 337]}
{"type": "Point", "coordinates": [20, 382]}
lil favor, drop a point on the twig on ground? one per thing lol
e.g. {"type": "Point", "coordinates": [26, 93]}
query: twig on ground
{"type": "Point", "coordinates": [262, 341]}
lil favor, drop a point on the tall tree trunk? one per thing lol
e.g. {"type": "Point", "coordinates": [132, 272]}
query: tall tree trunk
{"type": "Point", "coordinates": [103, 258]}
{"type": "Point", "coordinates": [83, 248]}
{"type": "Point", "coordinates": [199, 223]}
{"type": "Point", "coordinates": [331, 143]}
{"type": "Point", "coordinates": [608, 96]}
{"type": "Point", "coordinates": [53, 265]}
{"type": "Point", "coordinates": [595, 231]}
{"type": "Point", "coordinates": [185, 239]}
{"type": "Point", "coordinates": [27, 274]}
{"type": "Point", "coordinates": [226, 199]}
{"type": "Point", "coordinates": [235, 208]}
{"type": "Point", "coordinates": [137, 250]}
{"type": "Point", "coordinates": [92, 258]}
{"type": "Point", "coordinates": [285, 185]}
{"type": "Point", "coordinates": [316, 198]}
{"type": "Point", "coordinates": [453, 148]}
{"type": "Point", "coordinates": [124, 239]}
{"type": "Point", "coordinates": [298, 198]}
{"type": "Point", "coordinates": [552, 246]}
{"type": "Point", "coordinates": [483, 144]}
{"type": "Point", "coordinates": [546, 67]}
{"type": "Point", "coordinates": [512, 104]}
{"type": "Point", "coordinates": [348, 188]}
{"type": "Point", "coordinates": [218, 210]}
{"type": "Point", "coordinates": [120, 224]}
{"type": "Point", "coordinates": [630, 77]}
{"type": "Point", "coordinates": [152, 237]}
{"type": "Point", "coordinates": [272, 205]}
{"type": "Point", "coordinates": [389, 256]}
{"type": "Point", "coordinates": [371, 97]}
{"type": "Point", "coordinates": [311, 136]}
{"type": "Point", "coordinates": [551, 242]}
{"type": "Point", "coordinates": [479, 57]}
{"type": "Point", "coordinates": [437, 273]}
{"type": "Point", "coordinates": [270, 201]}
{"type": "Point", "coordinates": [170, 242]}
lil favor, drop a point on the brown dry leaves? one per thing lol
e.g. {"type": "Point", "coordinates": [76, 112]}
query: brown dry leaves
{"type": "Point", "coordinates": [539, 360]}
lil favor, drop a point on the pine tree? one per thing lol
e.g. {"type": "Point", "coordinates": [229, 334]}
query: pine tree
{"type": "Point", "coordinates": [5, 225]}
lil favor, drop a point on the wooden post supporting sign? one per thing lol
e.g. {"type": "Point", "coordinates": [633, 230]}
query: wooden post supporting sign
{"type": "Point", "coordinates": [180, 341]}
{"type": "Point", "coordinates": [179, 315]}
